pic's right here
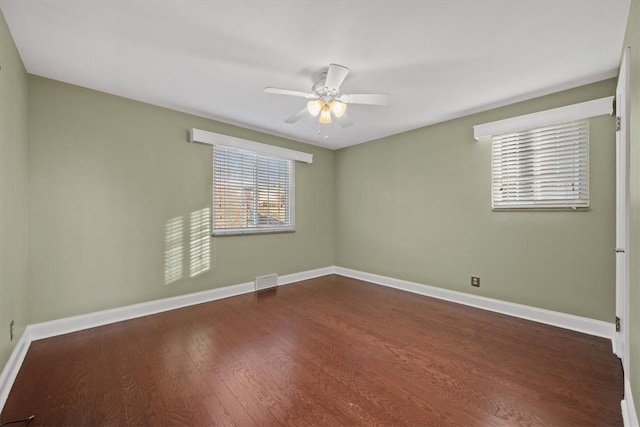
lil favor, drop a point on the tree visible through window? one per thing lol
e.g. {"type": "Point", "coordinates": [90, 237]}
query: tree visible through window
{"type": "Point", "coordinates": [252, 193]}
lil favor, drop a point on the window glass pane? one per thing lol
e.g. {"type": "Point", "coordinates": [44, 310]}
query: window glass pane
{"type": "Point", "coordinates": [251, 192]}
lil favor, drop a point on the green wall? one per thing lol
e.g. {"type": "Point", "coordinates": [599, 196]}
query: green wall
{"type": "Point", "coordinates": [108, 173]}
{"type": "Point", "coordinates": [632, 39]}
{"type": "Point", "coordinates": [417, 206]}
{"type": "Point", "coordinates": [13, 192]}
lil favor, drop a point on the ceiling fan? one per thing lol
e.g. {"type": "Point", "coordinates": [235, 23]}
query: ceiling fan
{"type": "Point", "coordinates": [328, 101]}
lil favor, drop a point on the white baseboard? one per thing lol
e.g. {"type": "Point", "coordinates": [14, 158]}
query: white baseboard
{"type": "Point", "coordinates": [629, 415]}
{"type": "Point", "coordinates": [554, 318]}
{"type": "Point", "coordinates": [615, 343]}
{"type": "Point", "coordinates": [10, 371]}
{"type": "Point", "coordinates": [91, 320]}
{"type": "Point", "coordinates": [99, 318]}
{"type": "Point", "coordinates": [104, 317]}
{"type": "Point", "coordinates": [305, 275]}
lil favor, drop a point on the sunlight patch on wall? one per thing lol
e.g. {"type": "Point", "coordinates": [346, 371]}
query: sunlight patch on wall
{"type": "Point", "coordinates": [200, 233]}
{"type": "Point", "coordinates": [173, 250]}
{"type": "Point", "coordinates": [212, 248]}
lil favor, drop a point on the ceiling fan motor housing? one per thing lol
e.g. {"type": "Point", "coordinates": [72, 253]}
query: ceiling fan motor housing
{"type": "Point", "coordinates": [324, 92]}
{"type": "Point", "coordinates": [327, 98]}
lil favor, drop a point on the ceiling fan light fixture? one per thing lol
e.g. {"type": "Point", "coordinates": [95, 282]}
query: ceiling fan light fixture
{"type": "Point", "coordinates": [327, 100]}
{"type": "Point", "coordinates": [325, 116]}
{"type": "Point", "coordinates": [314, 107]}
{"type": "Point", "coordinates": [338, 108]}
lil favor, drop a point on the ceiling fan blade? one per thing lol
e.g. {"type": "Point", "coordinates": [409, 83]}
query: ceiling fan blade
{"type": "Point", "coordinates": [290, 92]}
{"type": "Point", "coordinates": [345, 121]}
{"type": "Point", "coordinates": [297, 116]}
{"type": "Point", "coordinates": [365, 98]}
{"type": "Point", "coordinates": [335, 76]}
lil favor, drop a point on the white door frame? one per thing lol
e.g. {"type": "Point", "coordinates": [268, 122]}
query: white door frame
{"type": "Point", "coordinates": [622, 210]}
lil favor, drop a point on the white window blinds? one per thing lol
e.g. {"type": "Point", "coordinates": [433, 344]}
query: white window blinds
{"type": "Point", "coordinates": [252, 192]}
{"type": "Point", "coordinates": [542, 168]}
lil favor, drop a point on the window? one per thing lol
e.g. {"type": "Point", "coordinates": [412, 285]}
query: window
{"type": "Point", "coordinates": [253, 185]}
{"type": "Point", "coordinates": [541, 160]}
{"type": "Point", "coordinates": [252, 192]}
{"type": "Point", "coordinates": [542, 168]}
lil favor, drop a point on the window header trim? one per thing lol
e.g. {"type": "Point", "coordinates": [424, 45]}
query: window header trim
{"type": "Point", "coordinates": [583, 110]}
{"type": "Point", "coordinates": [212, 138]}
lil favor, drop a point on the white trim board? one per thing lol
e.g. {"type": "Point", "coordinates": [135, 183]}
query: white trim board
{"type": "Point", "coordinates": [67, 325]}
{"type": "Point", "coordinates": [105, 317]}
{"type": "Point", "coordinates": [583, 110]}
{"type": "Point", "coordinates": [212, 138]}
{"type": "Point", "coordinates": [305, 275]}
{"type": "Point", "coordinates": [99, 318]}
{"type": "Point", "coordinates": [554, 318]}
{"type": "Point", "coordinates": [629, 415]}
{"type": "Point", "coordinates": [11, 369]}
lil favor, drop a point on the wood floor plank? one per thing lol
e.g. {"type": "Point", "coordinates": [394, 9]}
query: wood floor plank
{"type": "Point", "coordinates": [234, 411]}
{"type": "Point", "coordinates": [331, 351]}
{"type": "Point", "coordinates": [114, 412]}
{"type": "Point", "coordinates": [374, 375]}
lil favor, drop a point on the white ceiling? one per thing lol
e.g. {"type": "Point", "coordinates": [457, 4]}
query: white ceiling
{"type": "Point", "coordinates": [438, 59]}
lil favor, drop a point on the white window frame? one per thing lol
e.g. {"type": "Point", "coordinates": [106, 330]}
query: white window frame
{"type": "Point", "coordinates": [531, 123]}
{"type": "Point", "coordinates": [249, 163]}
{"type": "Point", "coordinates": [221, 141]}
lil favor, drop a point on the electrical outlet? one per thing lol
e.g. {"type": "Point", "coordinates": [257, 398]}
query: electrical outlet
{"type": "Point", "coordinates": [11, 330]}
{"type": "Point", "coordinates": [475, 281]}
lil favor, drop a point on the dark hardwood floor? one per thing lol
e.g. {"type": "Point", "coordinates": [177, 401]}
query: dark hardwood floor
{"type": "Point", "coordinates": [330, 351]}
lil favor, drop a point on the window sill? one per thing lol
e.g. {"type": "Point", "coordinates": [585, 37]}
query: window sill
{"type": "Point", "coordinates": [542, 209]}
{"type": "Point", "coordinates": [252, 231]}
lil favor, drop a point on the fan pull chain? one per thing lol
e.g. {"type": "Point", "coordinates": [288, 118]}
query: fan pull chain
{"type": "Point", "coordinates": [322, 130]}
